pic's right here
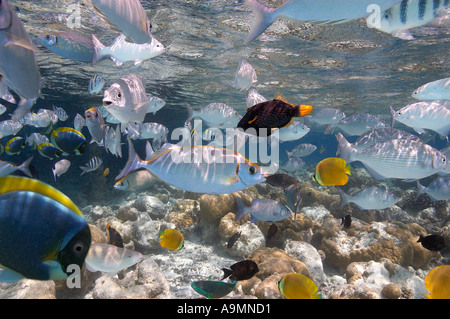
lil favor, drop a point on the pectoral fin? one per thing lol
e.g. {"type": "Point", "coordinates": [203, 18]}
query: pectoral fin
{"type": "Point", "coordinates": [24, 43]}
{"type": "Point", "coordinates": [254, 119]}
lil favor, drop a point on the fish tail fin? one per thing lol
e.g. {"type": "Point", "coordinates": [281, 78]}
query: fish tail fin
{"type": "Point", "coordinates": [190, 114]}
{"type": "Point", "coordinates": [420, 189]}
{"type": "Point", "coordinates": [98, 48]}
{"type": "Point", "coordinates": [420, 239]}
{"type": "Point", "coordinates": [133, 163]}
{"type": "Point", "coordinates": [84, 170]}
{"type": "Point", "coordinates": [226, 273]}
{"type": "Point", "coordinates": [289, 153]}
{"type": "Point", "coordinates": [345, 149]}
{"type": "Point", "coordinates": [329, 129]}
{"type": "Point", "coordinates": [24, 167]}
{"type": "Point", "coordinates": [392, 116]}
{"type": "Point", "coordinates": [344, 198]}
{"type": "Point", "coordinates": [304, 109]}
{"type": "Point", "coordinates": [22, 108]}
{"type": "Point", "coordinates": [348, 169]}
{"type": "Point", "coordinates": [54, 174]}
{"type": "Point", "coordinates": [263, 19]}
{"type": "Point", "coordinates": [240, 209]}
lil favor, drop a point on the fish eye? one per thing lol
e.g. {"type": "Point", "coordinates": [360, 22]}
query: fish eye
{"type": "Point", "coordinates": [119, 95]}
{"type": "Point", "coordinates": [252, 170]}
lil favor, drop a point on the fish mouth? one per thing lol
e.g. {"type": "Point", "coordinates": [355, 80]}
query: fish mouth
{"type": "Point", "coordinates": [107, 103]}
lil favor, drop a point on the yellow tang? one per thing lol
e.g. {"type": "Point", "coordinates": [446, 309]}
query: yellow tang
{"type": "Point", "coordinates": [298, 286]}
{"type": "Point", "coordinates": [332, 171]}
{"type": "Point", "coordinates": [438, 282]}
{"type": "Point", "coordinates": [171, 239]}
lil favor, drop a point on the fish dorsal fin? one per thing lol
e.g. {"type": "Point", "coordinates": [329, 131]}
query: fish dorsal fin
{"type": "Point", "coordinates": [280, 97]}
{"type": "Point", "coordinates": [15, 183]}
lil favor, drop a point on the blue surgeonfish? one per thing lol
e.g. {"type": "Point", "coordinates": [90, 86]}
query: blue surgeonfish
{"type": "Point", "coordinates": [42, 231]}
{"type": "Point", "coordinates": [69, 140]}
{"type": "Point", "coordinates": [18, 64]}
{"type": "Point", "coordinates": [15, 145]}
{"type": "Point", "coordinates": [198, 169]}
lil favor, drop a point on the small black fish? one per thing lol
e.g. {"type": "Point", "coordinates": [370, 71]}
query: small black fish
{"type": "Point", "coordinates": [242, 270]}
{"type": "Point", "coordinates": [272, 231]}
{"type": "Point", "coordinates": [233, 239]}
{"type": "Point", "coordinates": [272, 114]}
{"type": "Point", "coordinates": [347, 221]}
{"type": "Point", "coordinates": [281, 180]}
{"type": "Point", "coordinates": [432, 242]}
{"type": "Point", "coordinates": [114, 237]}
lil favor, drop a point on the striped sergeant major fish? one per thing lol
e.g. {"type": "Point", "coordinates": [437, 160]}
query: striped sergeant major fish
{"type": "Point", "coordinates": [408, 14]}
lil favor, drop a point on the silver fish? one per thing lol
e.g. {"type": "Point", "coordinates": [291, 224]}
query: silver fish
{"type": "Point", "coordinates": [400, 158]}
{"type": "Point", "coordinates": [128, 16]}
{"type": "Point", "coordinates": [122, 51]}
{"type": "Point", "coordinates": [245, 76]}
{"type": "Point", "coordinates": [60, 113]}
{"type": "Point", "coordinates": [18, 64]}
{"type": "Point", "coordinates": [79, 122]}
{"type": "Point", "coordinates": [136, 181]}
{"type": "Point", "coordinates": [408, 14]}
{"type": "Point", "coordinates": [150, 130]}
{"type": "Point", "coordinates": [357, 124]}
{"type": "Point", "coordinates": [293, 132]}
{"type": "Point", "coordinates": [435, 90]}
{"type": "Point", "coordinates": [369, 198]}
{"type": "Point", "coordinates": [9, 127]}
{"type": "Point", "coordinates": [319, 11]}
{"type": "Point", "coordinates": [92, 165]}
{"type": "Point", "coordinates": [95, 124]}
{"type": "Point", "coordinates": [109, 258]}
{"type": "Point", "coordinates": [36, 139]}
{"type": "Point", "coordinates": [293, 164]}
{"type": "Point", "coordinates": [113, 140]}
{"type": "Point", "coordinates": [126, 100]}
{"type": "Point", "coordinates": [214, 115]}
{"type": "Point", "coordinates": [60, 168]}
{"type": "Point", "coordinates": [69, 45]}
{"type": "Point", "coordinates": [439, 189]}
{"type": "Point", "coordinates": [377, 135]}
{"type": "Point", "coordinates": [155, 104]}
{"type": "Point", "coordinates": [43, 118]}
{"type": "Point", "coordinates": [253, 98]}
{"type": "Point", "coordinates": [96, 84]}
{"type": "Point", "coordinates": [431, 115]}
{"type": "Point", "coordinates": [301, 150]}
{"type": "Point", "coordinates": [326, 116]}
{"type": "Point", "coordinates": [7, 168]}
{"type": "Point", "coordinates": [262, 209]}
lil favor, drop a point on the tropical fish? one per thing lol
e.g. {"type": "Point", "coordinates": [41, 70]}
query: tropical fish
{"type": "Point", "coordinates": [262, 209]}
{"type": "Point", "coordinates": [5, 94]}
{"type": "Point", "coordinates": [253, 98]}
{"type": "Point", "coordinates": [126, 100]}
{"type": "Point", "coordinates": [155, 104]}
{"type": "Point", "coordinates": [407, 14]}
{"type": "Point", "coordinates": [9, 127]}
{"type": "Point", "coordinates": [437, 282]}
{"type": "Point", "coordinates": [42, 231]}
{"type": "Point", "coordinates": [7, 168]}
{"type": "Point", "coordinates": [302, 150]}
{"type": "Point", "coordinates": [110, 258]}
{"type": "Point", "coordinates": [35, 139]}
{"type": "Point", "coordinates": [297, 286]}
{"type": "Point", "coordinates": [439, 189]}
{"type": "Point", "coordinates": [326, 116]}
{"type": "Point", "coordinates": [242, 270]}
{"type": "Point", "coordinates": [150, 130]}
{"type": "Point", "coordinates": [221, 171]}
{"type": "Point", "coordinates": [332, 171]}
{"type": "Point", "coordinates": [92, 165]}
{"type": "Point", "coordinates": [245, 76]}
{"type": "Point", "coordinates": [432, 242]}
{"type": "Point", "coordinates": [346, 221]}
{"type": "Point", "coordinates": [321, 11]}
{"type": "Point", "coordinates": [273, 229]}
{"type": "Point", "coordinates": [128, 16]}
{"type": "Point", "coordinates": [293, 164]}
{"type": "Point", "coordinates": [95, 124]}
{"type": "Point", "coordinates": [431, 115]}
{"type": "Point", "coordinates": [114, 236]}
{"type": "Point", "coordinates": [60, 168]}
{"type": "Point", "coordinates": [377, 135]}
{"type": "Point", "coordinates": [272, 114]}
{"type": "Point", "coordinates": [15, 145]}
{"type": "Point", "coordinates": [43, 118]}
{"type": "Point", "coordinates": [78, 122]}
{"type": "Point", "coordinates": [18, 64]}
{"type": "Point", "coordinates": [293, 132]}
{"type": "Point", "coordinates": [357, 124]}
{"type": "Point", "coordinates": [171, 239]}
{"type": "Point", "coordinates": [214, 115]}
{"type": "Point", "coordinates": [69, 141]}
{"type": "Point", "coordinates": [233, 239]}
{"type": "Point", "coordinates": [435, 90]}
{"type": "Point", "coordinates": [281, 180]}
{"type": "Point", "coordinates": [369, 198]}
{"type": "Point", "coordinates": [49, 150]}
{"type": "Point", "coordinates": [213, 289]}
{"type": "Point", "coordinates": [113, 140]}
{"type": "Point", "coordinates": [106, 172]}
{"type": "Point", "coordinates": [136, 181]}
{"type": "Point", "coordinates": [69, 45]}
{"type": "Point", "coordinates": [96, 84]}
{"type": "Point", "coordinates": [405, 159]}
{"type": "Point", "coordinates": [122, 51]}
{"type": "Point", "coordinates": [60, 113]}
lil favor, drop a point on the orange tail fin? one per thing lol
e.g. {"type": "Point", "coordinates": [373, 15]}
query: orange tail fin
{"type": "Point", "coordinates": [304, 109]}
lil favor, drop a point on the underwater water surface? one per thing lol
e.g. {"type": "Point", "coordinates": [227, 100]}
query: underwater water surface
{"type": "Point", "coordinates": [347, 66]}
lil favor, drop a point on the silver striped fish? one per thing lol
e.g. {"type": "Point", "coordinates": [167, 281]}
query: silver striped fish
{"type": "Point", "coordinates": [92, 165]}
